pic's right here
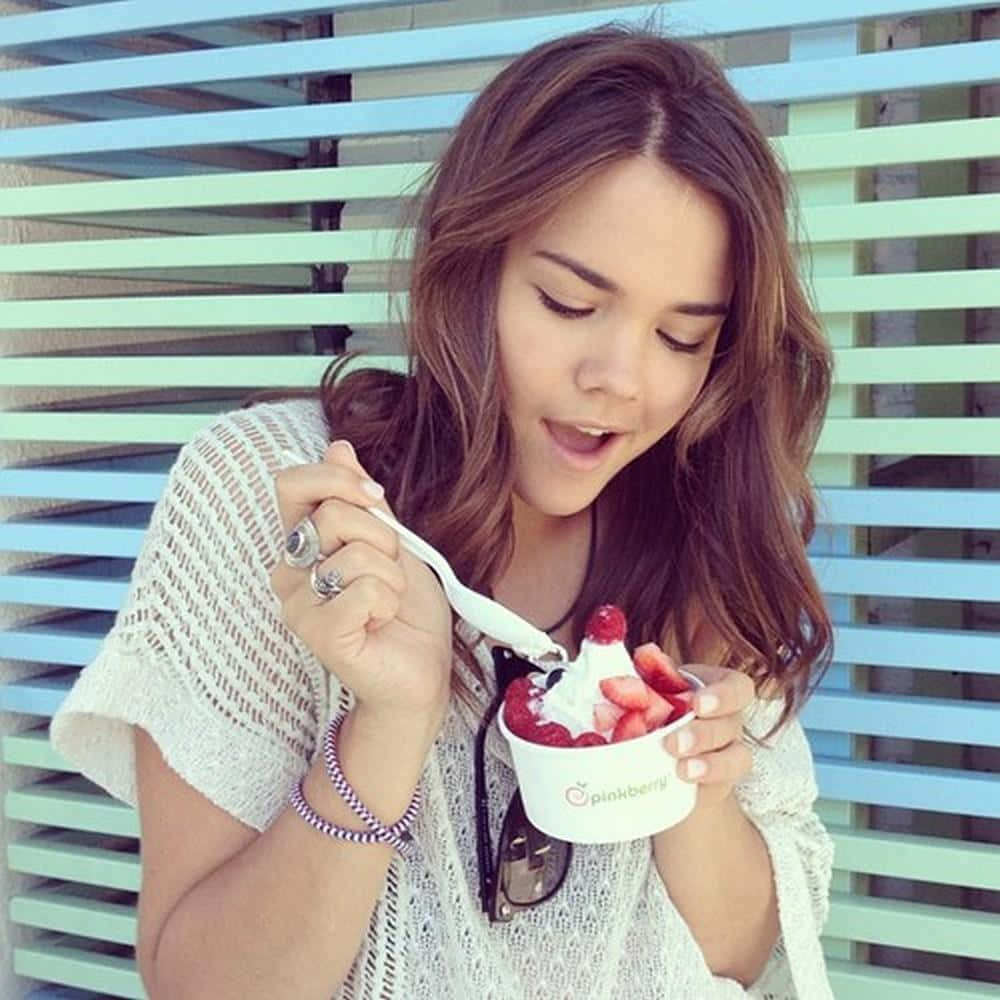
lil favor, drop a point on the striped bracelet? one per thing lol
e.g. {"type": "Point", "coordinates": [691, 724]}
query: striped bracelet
{"type": "Point", "coordinates": [399, 833]}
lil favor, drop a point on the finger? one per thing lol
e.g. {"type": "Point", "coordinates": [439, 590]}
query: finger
{"type": "Point", "coordinates": [704, 736]}
{"type": "Point", "coordinates": [725, 692]}
{"type": "Point", "coordinates": [301, 489]}
{"type": "Point", "coordinates": [338, 626]}
{"type": "Point", "coordinates": [352, 562]}
{"type": "Point", "coordinates": [728, 765]}
{"type": "Point", "coordinates": [342, 453]}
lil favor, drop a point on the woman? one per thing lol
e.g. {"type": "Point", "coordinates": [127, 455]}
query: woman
{"type": "Point", "coordinates": [617, 386]}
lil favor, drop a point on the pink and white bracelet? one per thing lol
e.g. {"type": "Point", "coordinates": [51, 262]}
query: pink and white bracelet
{"type": "Point", "coordinates": [398, 834]}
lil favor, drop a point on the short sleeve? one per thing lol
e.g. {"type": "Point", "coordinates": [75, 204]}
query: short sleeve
{"type": "Point", "coordinates": [779, 796]}
{"type": "Point", "coordinates": [198, 655]}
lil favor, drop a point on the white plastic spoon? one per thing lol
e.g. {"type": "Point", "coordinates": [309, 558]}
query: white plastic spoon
{"type": "Point", "coordinates": [482, 613]}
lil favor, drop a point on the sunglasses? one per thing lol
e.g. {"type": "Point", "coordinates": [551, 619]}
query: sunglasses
{"type": "Point", "coordinates": [530, 866]}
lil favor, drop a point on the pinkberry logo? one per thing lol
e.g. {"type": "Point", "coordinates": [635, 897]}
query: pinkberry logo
{"type": "Point", "coordinates": [576, 796]}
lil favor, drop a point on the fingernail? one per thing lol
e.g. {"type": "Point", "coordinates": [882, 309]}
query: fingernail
{"type": "Point", "coordinates": [696, 768]}
{"type": "Point", "coordinates": [373, 489]}
{"type": "Point", "coordinates": [707, 703]}
{"type": "Point", "coordinates": [684, 741]}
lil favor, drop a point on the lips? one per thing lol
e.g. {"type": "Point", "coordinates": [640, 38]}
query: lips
{"type": "Point", "coordinates": [577, 441]}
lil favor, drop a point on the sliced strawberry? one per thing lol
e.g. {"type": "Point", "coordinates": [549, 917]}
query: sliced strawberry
{"type": "Point", "coordinates": [606, 625]}
{"type": "Point", "coordinates": [551, 734]}
{"type": "Point", "coordinates": [590, 739]}
{"type": "Point", "coordinates": [659, 712]}
{"type": "Point", "coordinates": [681, 707]}
{"type": "Point", "coordinates": [519, 710]}
{"type": "Point", "coordinates": [627, 691]}
{"type": "Point", "coordinates": [658, 670]}
{"type": "Point", "coordinates": [630, 726]}
{"type": "Point", "coordinates": [606, 716]}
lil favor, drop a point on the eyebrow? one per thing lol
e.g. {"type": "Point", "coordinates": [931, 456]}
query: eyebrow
{"type": "Point", "coordinates": [604, 284]}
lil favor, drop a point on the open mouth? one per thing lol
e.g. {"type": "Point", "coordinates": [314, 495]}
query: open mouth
{"type": "Point", "coordinates": [579, 441]}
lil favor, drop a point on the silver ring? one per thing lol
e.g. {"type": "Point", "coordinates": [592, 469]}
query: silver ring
{"type": "Point", "coordinates": [327, 586]}
{"type": "Point", "coordinates": [302, 546]}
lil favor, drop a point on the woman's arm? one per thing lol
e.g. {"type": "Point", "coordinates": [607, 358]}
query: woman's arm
{"type": "Point", "coordinates": [224, 913]}
{"type": "Point", "coordinates": [716, 869]}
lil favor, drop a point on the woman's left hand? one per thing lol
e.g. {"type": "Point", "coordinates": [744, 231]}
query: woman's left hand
{"type": "Point", "coordinates": [710, 750]}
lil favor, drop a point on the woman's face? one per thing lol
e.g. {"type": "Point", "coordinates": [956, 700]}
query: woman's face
{"type": "Point", "coordinates": [608, 314]}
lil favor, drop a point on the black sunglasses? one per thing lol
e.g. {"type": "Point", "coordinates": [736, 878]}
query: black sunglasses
{"type": "Point", "coordinates": [530, 865]}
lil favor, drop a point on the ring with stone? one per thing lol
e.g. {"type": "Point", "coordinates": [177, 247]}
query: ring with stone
{"type": "Point", "coordinates": [327, 586]}
{"type": "Point", "coordinates": [302, 546]}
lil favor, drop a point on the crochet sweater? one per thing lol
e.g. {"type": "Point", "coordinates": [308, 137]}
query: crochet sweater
{"type": "Point", "coordinates": [199, 657]}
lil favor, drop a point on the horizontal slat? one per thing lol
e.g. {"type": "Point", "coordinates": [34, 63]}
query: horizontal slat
{"type": "Point", "coordinates": [96, 584]}
{"type": "Point", "coordinates": [72, 803]}
{"type": "Point", "coordinates": [943, 929]}
{"type": "Point", "coordinates": [148, 428]}
{"type": "Point", "coordinates": [921, 143]}
{"type": "Point", "coordinates": [495, 40]}
{"type": "Point", "coordinates": [938, 363]}
{"type": "Point", "coordinates": [66, 640]}
{"type": "Point", "coordinates": [902, 217]}
{"type": "Point", "coordinates": [917, 508]}
{"type": "Point", "coordinates": [910, 436]}
{"type": "Point", "coordinates": [909, 786]}
{"type": "Point", "coordinates": [39, 695]}
{"type": "Point", "coordinates": [927, 216]}
{"type": "Point", "coordinates": [77, 857]}
{"type": "Point", "coordinates": [74, 965]}
{"type": "Point", "coordinates": [79, 913]}
{"type": "Point", "coordinates": [240, 250]}
{"type": "Point", "coordinates": [128, 478]}
{"type": "Point", "coordinates": [939, 579]}
{"type": "Point", "coordinates": [861, 293]}
{"type": "Point", "coordinates": [856, 981]}
{"type": "Point", "coordinates": [921, 648]}
{"type": "Point", "coordinates": [924, 859]}
{"type": "Point", "coordinates": [129, 16]}
{"type": "Point", "coordinates": [940, 65]}
{"type": "Point", "coordinates": [199, 370]}
{"type": "Point", "coordinates": [975, 723]}
{"type": "Point", "coordinates": [115, 531]}
{"type": "Point", "coordinates": [31, 748]}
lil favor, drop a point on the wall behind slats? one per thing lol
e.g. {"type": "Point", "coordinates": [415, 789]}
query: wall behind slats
{"type": "Point", "coordinates": [162, 244]}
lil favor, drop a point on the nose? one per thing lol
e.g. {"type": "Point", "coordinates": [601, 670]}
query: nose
{"type": "Point", "coordinates": [612, 364]}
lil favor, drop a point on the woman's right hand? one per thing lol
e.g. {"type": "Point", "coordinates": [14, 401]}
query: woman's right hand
{"type": "Point", "coordinates": [387, 635]}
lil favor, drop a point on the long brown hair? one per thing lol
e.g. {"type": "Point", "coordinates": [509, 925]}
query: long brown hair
{"type": "Point", "coordinates": [706, 531]}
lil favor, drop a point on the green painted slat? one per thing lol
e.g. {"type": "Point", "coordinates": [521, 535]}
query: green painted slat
{"type": "Point", "coordinates": [944, 929]}
{"type": "Point", "coordinates": [856, 981]}
{"type": "Point", "coordinates": [112, 975]}
{"type": "Point", "coordinates": [59, 858]}
{"type": "Point", "coordinates": [919, 143]}
{"type": "Point", "coordinates": [179, 311]}
{"type": "Point", "coordinates": [978, 289]}
{"type": "Point", "coordinates": [66, 804]}
{"type": "Point", "coordinates": [242, 250]}
{"type": "Point", "coordinates": [114, 427]}
{"type": "Point", "coordinates": [861, 293]}
{"type": "Point", "coordinates": [910, 436]}
{"type": "Point", "coordinates": [33, 749]}
{"type": "Point", "coordinates": [196, 370]}
{"type": "Point", "coordinates": [905, 217]}
{"type": "Point", "coordinates": [926, 859]}
{"type": "Point", "coordinates": [263, 187]}
{"type": "Point", "coordinates": [945, 363]}
{"type": "Point", "coordinates": [73, 913]}
{"type": "Point", "coordinates": [910, 217]}
{"type": "Point", "coordinates": [928, 142]}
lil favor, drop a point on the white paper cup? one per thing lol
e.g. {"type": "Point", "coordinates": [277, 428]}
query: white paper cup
{"type": "Point", "coordinates": [601, 795]}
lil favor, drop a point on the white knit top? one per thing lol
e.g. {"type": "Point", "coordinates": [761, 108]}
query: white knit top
{"type": "Point", "coordinates": [199, 657]}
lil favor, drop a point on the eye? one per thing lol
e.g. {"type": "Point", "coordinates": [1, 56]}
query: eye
{"type": "Point", "coordinates": [680, 345]}
{"type": "Point", "coordinates": [558, 308]}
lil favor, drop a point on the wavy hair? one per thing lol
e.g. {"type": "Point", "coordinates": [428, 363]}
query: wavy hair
{"type": "Point", "coordinates": [707, 529]}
